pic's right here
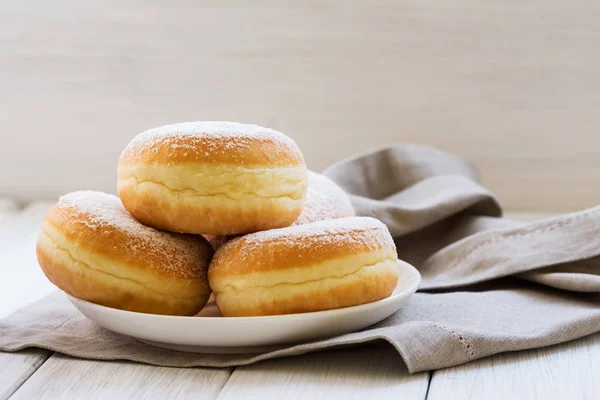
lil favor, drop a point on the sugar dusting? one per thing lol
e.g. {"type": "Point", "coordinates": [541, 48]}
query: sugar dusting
{"type": "Point", "coordinates": [329, 230]}
{"type": "Point", "coordinates": [216, 137]}
{"type": "Point", "coordinates": [97, 211]}
{"type": "Point", "coordinates": [353, 234]}
{"type": "Point", "coordinates": [324, 200]}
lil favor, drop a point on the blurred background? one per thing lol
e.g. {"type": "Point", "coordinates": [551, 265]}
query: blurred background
{"type": "Point", "coordinates": [512, 85]}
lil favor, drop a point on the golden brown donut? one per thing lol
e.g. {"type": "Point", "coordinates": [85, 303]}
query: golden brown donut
{"type": "Point", "coordinates": [92, 248]}
{"type": "Point", "coordinates": [216, 178]}
{"type": "Point", "coordinates": [324, 200]}
{"type": "Point", "coordinates": [319, 266]}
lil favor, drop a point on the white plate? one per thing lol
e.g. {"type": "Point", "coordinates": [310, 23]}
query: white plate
{"type": "Point", "coordinates": [209, 332]}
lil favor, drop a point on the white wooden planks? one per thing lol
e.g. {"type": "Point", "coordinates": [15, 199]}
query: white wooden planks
{"type": "Point", "coordinates": [357, 373]}
{"type": "Point", "coordinates": [63, 377]}
{"type": "Point", "coordinates": [15, 368]}
{"type": "Point", "coordinates": [22, 283]}
{"type": "Point", "coordinates": [567, 371]}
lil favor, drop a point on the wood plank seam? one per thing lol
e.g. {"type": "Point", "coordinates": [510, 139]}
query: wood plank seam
{"type": "Point", "coordinates": [430, 376]}
{"type": "Point", "coordinates": [35, 366]}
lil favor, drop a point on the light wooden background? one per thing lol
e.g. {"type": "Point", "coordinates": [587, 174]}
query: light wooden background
{"type": "Point", "coordinates": [513, 85]}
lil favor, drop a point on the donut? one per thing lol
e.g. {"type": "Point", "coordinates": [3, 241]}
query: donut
{"type": "Point", "coordinates": [217, 178]}
{"type": "Point", "coordinates": [92, 248]}
{"type": "Point", "coordinates": [319, 266]}
{"type": "Point", "coordinates": [324, 200]}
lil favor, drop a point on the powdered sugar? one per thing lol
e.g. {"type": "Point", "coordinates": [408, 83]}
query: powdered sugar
{"type": "Point", "coordinates": [217, 129]}
{"type": "Point", "coordinates": [330, 227]}
{"type": "Point", "coordinates": [324, 200]}
{"type": "Point", "coordinates": [97, 211]}
{"type": "Point", "coordinates": [353, 235]}
{"type": "Point", "coordinates": [216, 137]}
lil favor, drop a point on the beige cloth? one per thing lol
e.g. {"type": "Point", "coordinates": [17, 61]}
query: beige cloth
{"type": "Point", "coordinates": [490, 285]}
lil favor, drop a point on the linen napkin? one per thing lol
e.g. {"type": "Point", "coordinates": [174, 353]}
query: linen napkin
{"type": "Point", "coordinates": [490, 284]}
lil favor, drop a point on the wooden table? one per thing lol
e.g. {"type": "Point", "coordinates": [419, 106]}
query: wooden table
{"type": "Point", "coordinates": [570, 370]}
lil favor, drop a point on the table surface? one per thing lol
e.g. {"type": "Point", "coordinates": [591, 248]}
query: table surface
{"type": "Point", "coordinates": [569, 370]}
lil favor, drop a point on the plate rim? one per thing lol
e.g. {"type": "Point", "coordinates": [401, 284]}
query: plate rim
{"type": "Point", "coordinates": [411, 289]}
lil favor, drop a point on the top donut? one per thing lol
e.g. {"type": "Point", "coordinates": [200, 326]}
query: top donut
{"type": "Point", "coordinates": [213, 142]}
{"type": "Point", "coordinates": [218, 178]}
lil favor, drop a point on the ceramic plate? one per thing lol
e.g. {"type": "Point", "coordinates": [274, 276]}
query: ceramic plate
{"type": "Point", "coordinates": [209, 332]}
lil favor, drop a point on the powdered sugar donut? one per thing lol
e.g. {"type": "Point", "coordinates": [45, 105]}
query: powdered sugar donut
{"type": "Point", "coordinates": [319, 266]}
{"type": "Point", "coordinates": [215, 178]}
{"type": "Point", "coordinates": [92, 248]}
{"type": "Point", "coordinates": [324, 200]}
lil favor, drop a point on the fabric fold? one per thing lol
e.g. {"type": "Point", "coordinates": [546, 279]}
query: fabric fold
{"type": "Point", "coordinates": [448, 226]}
{"type": "Point", "coordinates": [493, 254]}
{"type": "Point", "coordinates": [410, 187]}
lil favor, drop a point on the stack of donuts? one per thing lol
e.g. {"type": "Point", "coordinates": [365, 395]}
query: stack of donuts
{"type": "Point", "coordinates": [223, 208]}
